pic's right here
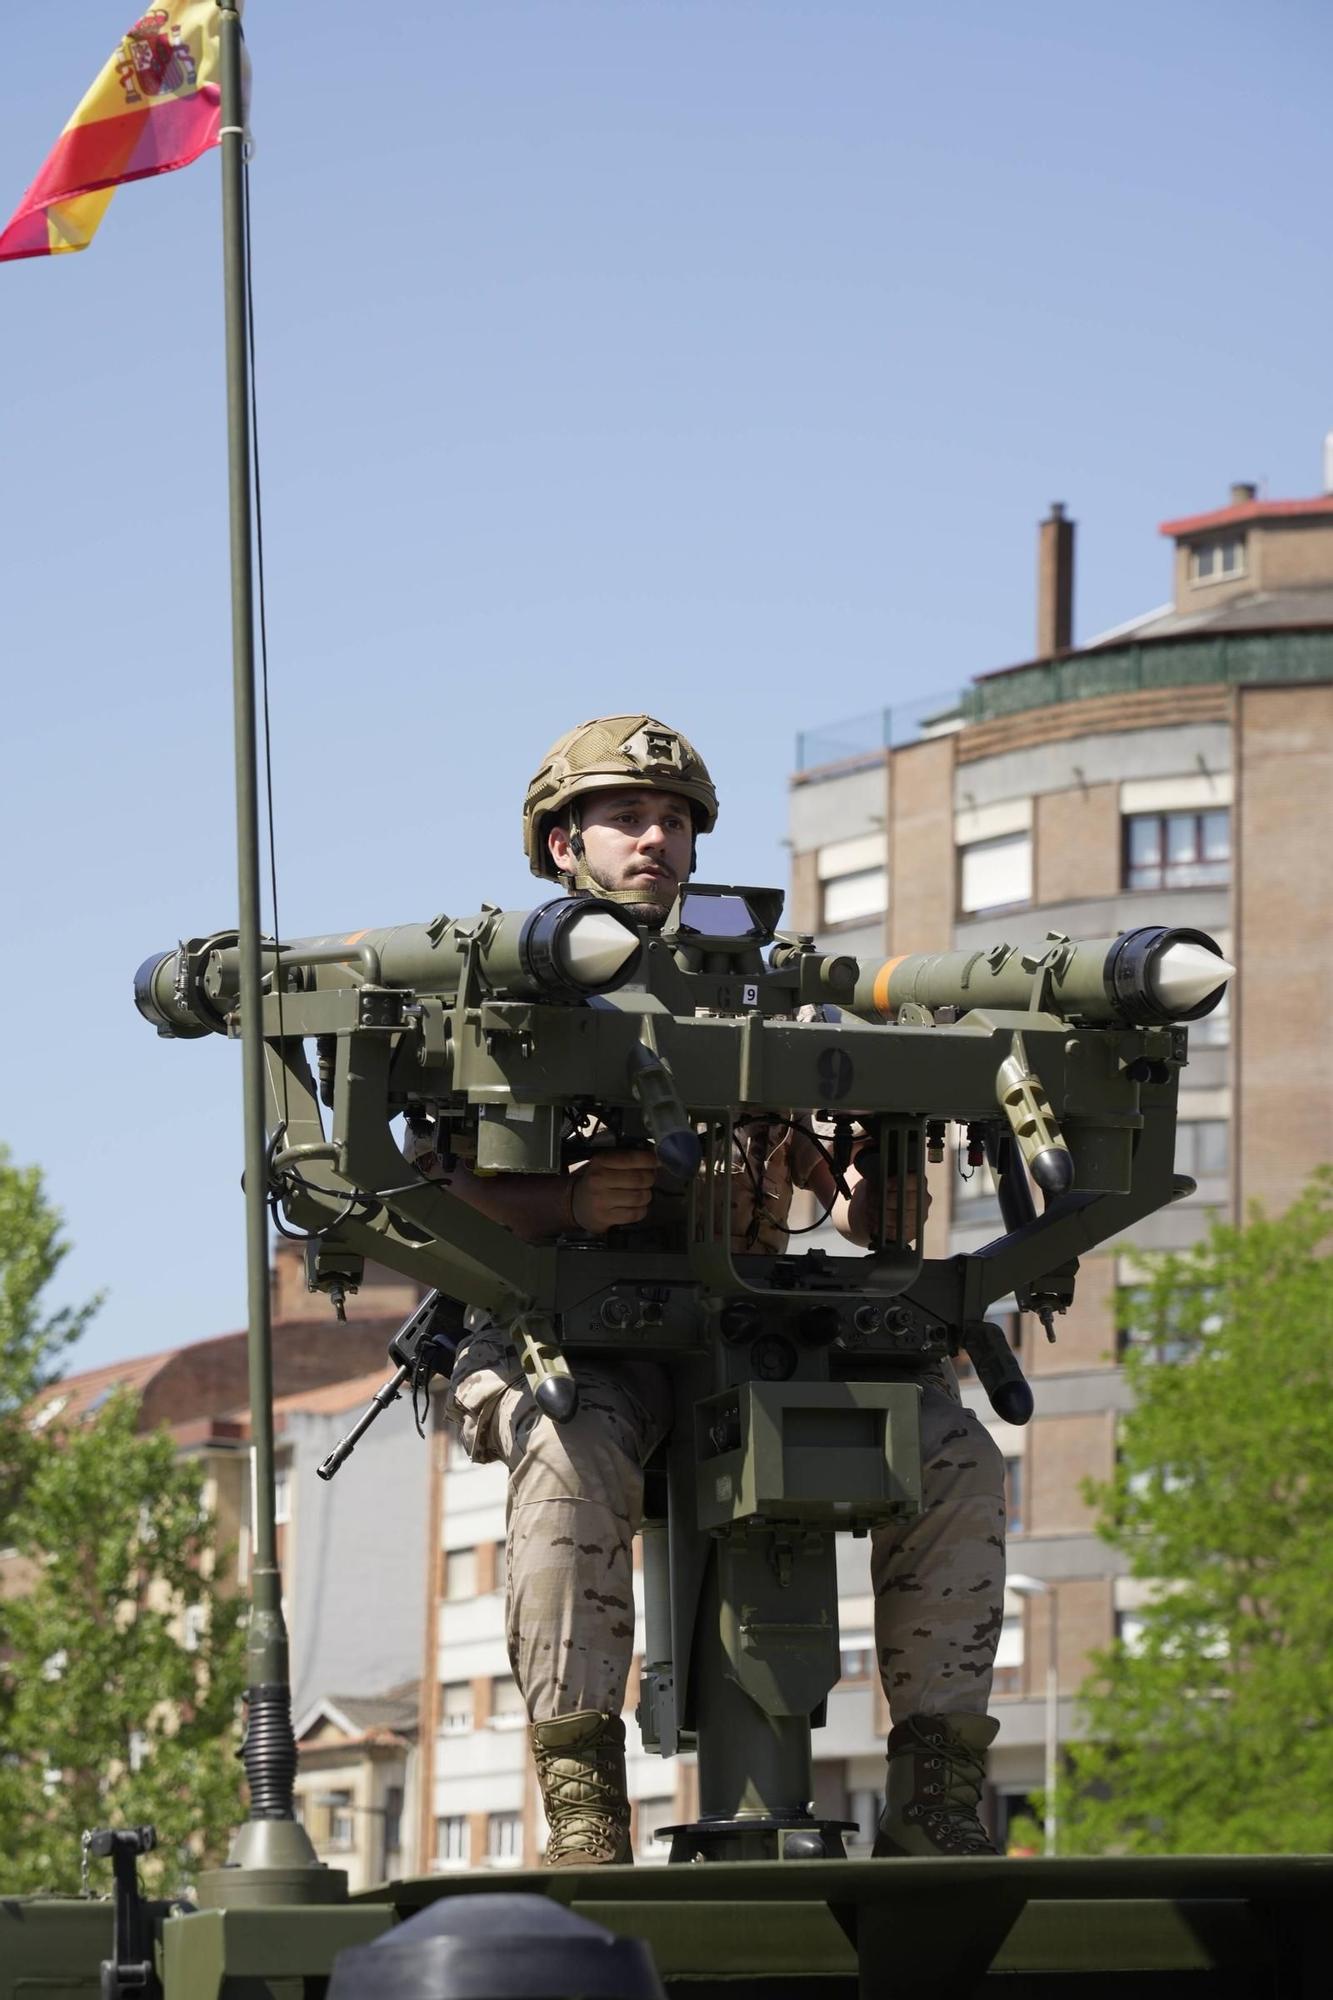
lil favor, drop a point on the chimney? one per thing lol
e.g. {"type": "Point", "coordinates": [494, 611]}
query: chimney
{"type": "Point", "coordinates": [1055, 584]}
{"type": "Point", "coordinates": [1243, 491]}
{"type": "Point", "coordinates": [1328, 461]}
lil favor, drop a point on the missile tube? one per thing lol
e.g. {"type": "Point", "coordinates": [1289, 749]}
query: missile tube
{"type": "Point", "coordinates": [1144, 977]}
{"type": "Point", "coordinates": [561, 950]}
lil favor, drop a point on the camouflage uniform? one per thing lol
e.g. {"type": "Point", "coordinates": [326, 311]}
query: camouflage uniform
{"type": "Point", "coordinates": [575, 1505]}
{"type": "Point", "coordinates": [576, 1502]}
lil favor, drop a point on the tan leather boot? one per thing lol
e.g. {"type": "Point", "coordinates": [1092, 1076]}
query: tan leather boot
{"type": "Point", "coordinates": [580, 1763]}
{"type": "Point", "coordinates": [936, 1767]}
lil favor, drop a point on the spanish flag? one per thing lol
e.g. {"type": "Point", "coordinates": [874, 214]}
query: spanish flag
{"type": "Point", "coordinates": [155, 106]}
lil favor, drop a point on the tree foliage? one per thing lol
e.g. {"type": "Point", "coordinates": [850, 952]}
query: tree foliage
{"type": "Point", "coordinates": [120, 1657]}
{"type": "Point", "coordinates": [1211, 1729]}
{"type": "Point", "coordinates": [31, 1341]}
{"type": "Point", "coordinates": [125, 1659]}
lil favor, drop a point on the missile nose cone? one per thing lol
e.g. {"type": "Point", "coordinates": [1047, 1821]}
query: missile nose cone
{"type": "Point", "coordinates": [1185, 974]}
{"type": "Point", "coordinates": [595, 947]}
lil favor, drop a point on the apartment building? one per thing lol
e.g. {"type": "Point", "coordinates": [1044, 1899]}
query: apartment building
{"type": "Point", "coordinates": [1177, 770]}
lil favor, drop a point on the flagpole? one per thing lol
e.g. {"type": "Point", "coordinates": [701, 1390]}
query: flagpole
{"type": "Point", "coordinates": [271, 1858]}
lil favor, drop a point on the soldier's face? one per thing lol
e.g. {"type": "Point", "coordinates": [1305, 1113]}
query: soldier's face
{"type": "Point", "coordinates": [634, 839]}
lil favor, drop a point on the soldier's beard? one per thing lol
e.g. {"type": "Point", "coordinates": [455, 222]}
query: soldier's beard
{"type": "Point", "coordinates": [651, 913]}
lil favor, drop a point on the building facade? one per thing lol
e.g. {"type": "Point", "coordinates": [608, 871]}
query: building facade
{"type": "Point", "coordinates": [1177, 771]}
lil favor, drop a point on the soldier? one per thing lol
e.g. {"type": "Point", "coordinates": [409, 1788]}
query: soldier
{"type": "Point", "coordinates": [615, 811]}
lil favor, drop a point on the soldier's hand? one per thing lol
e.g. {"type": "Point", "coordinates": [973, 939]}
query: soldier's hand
{"type": "Point", "coordinates": [610, 1190]}
{"type": "Point", "coordinates": [863, 1210]}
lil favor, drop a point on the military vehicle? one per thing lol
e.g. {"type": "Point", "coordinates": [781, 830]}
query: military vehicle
{"type": "Point", "coordinates": [513, 1036]}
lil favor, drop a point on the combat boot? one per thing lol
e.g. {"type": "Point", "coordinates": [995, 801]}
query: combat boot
{"type": "Point", "coordinates": [936, 1767]}
{"type": "Point", "coordinates": [580, 1763]}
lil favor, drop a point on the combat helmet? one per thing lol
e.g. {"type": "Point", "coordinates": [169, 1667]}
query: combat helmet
{"type": "Point", "coordinates": [612, 752]}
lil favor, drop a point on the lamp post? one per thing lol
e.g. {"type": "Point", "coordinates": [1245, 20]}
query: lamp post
{"type": "Point", "coordinates": [1033, 1586]}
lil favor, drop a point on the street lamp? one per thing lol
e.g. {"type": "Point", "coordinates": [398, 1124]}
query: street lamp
{"type": "Point", "coordinates": [1033, 1586]}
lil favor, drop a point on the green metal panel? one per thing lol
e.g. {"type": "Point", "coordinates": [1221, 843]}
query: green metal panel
{"type": "Point", "coordinates": [52, 1946]}
{"type": "Point", "coordinates": [840, 1454]}
{"type": "Point", "coordinates": [1252, 1926]}
{"type": "Point", "coordinates": [262, 1954]}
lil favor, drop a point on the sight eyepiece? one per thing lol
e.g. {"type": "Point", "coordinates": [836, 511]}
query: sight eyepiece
{"type": "Point", "coordinates": [157, 996]}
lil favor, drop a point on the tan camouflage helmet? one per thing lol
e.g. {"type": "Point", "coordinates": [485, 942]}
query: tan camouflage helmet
{"type": "Point", "coordinates": [610, 753]}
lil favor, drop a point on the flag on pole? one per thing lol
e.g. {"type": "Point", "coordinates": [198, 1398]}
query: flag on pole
{"type": "Point", "coordinates": [155, 106]}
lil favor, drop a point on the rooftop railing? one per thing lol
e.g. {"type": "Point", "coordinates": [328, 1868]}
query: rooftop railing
{"type": "Point", "coordinates": [865, 737]}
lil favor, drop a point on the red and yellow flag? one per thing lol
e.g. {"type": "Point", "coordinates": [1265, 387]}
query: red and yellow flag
{"type": "Point", "coordinates": [155, 106]}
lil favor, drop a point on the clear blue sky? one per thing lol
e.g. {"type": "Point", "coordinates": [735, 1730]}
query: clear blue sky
{"type": "Point", "coordinates": [714, 356]}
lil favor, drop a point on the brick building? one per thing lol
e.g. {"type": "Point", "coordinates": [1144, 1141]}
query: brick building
{"type": "Point", "coordinates": [1176, 770]}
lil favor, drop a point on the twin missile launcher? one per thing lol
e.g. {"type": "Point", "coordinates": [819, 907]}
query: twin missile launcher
{"type": "Point", "coordinates": [517, 1042]}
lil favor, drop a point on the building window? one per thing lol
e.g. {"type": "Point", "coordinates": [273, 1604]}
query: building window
{"type": "Point", "coordinates": [1008, 1808]}
{"type": "Point", "coordinates": [1007, 1677]}
{"type": "Point", "coordinates": [1210, 562]}
{"type": "Point", "coordinates": [194, 1624]}
{"type": "Point", "coordinates": [1203, 1148]}
{"type": "Point", "coordinates": [456, 1708]}
{"type": "Point", "coordinates": [342, 1824]}
{"type": "Point", "coordinates": [1129, 1632]}
{"type": "Point", "coordinates": [504, 1839]}
{"type": "Point", "coordinates": [507, 1710]}
{"type": "Point", "coordinates": [1165, 1331]}
{"type": "Point", "coordinates": [865, 893]}
{"type": "Point", "coordinates": [393, 1819]}
{"type": "Point", "coordinates": [864, 1805]}
{"type": "Point", "coordinates": [282, 1494]}
{"type": "Point", "coordinates": [857, 1656]}
{"type": "Point", "coordinates": [460, 1575]}
{"type": "Point", "coordinates": [1013, 1493]}
{"type": "Point", "coordinates": [451, 1842]}
{"type": "Point", "coordinates": [853, 879]}
{"type": "Point", "coordinates": [995, 874]}
{"type": "Point", "coordinates": [973, 1183]}
{"type": "Point", "coordinates": [652, 1814]}
{"type": "Point", "coordinates": [1178, 850]}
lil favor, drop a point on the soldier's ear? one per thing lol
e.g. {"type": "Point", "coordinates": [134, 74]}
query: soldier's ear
{"type": "Point", "coordinates": [563, 847]}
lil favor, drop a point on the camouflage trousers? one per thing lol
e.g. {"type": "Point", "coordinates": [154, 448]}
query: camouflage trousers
{"type": "Point", "coordinates": [576, 1502]}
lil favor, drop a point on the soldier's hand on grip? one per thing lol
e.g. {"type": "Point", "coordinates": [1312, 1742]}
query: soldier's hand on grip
{"type": "Point", "coordinates": [864, 1207]}
{"type": "Point", "coordinates": [611, 1190]}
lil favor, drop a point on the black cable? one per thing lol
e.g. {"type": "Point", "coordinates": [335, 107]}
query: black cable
{"type": "Point", "coordinates": [821, 1145]}
{"type": "Point", "coordinates": [263, 602]}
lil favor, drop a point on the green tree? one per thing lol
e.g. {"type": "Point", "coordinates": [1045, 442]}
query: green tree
{"type": "Point", "coordinates": [31, 1341]}
{"type": "Point", "coordinates": [1211, 1731]}
{"type": "Point", "coordinates": [125, 1659]}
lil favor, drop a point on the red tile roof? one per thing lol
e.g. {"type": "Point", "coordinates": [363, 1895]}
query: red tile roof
{"type": "Point", "coordinates": [1245, 511]}
{"type": "Point", "coordinates": [76, 1394]}
{"type": "Point", "coordinates": [331, 1397]}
